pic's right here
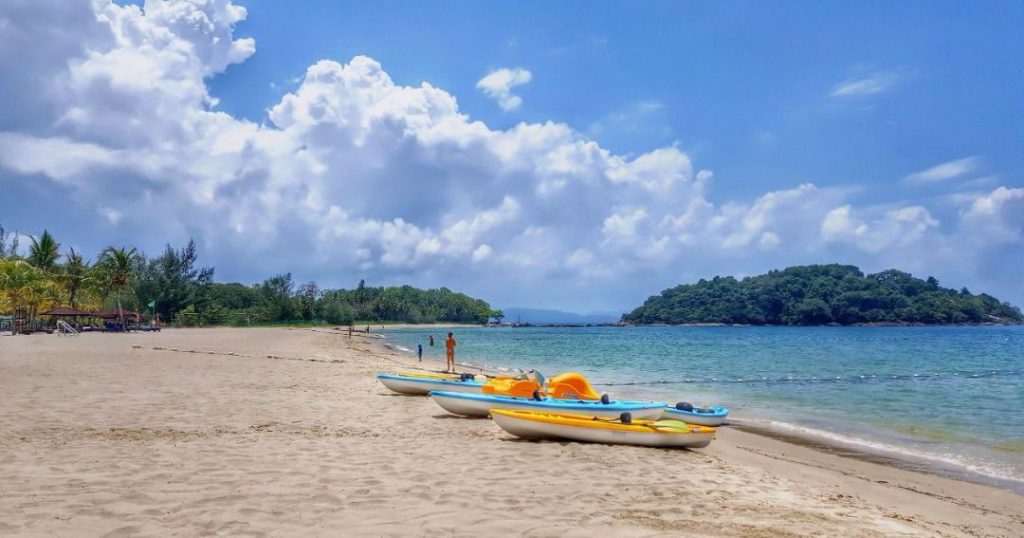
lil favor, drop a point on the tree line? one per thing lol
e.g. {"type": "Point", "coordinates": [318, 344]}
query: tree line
{"type": "Point", "coordinates": [176, 288]}
{"type": "Point", "coordinates": [819, 295]}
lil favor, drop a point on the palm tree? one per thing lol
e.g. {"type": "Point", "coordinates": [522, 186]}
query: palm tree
{"type": "Point", "coordinates": [44, 253]}
{"type": "Point", "coordinates": [18, 281]}
{"type": "Point", "coordinates": [74, 275]}
{"type": "Point", "coordinates": [117, 267]}
{"type": "Point", "coordinates": [41, 291]}
{"type": "Point", "coordinates": [8, 244]}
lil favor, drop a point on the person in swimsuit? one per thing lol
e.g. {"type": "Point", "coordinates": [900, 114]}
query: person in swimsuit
{"type": "Point", "coordinates": [449, 345]}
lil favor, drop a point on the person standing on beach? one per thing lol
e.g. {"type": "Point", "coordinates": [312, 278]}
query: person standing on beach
{"type": "Point", "coordinates": [431, 340]}
{"type": "Point", "coordinates": [419, 351]}
{"type": "Point", "coordinates": [449, 344]}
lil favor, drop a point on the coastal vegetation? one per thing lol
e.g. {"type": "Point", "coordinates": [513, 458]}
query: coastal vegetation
{"type": "Point", "coordinates": [174, 288]}
{"type": "Point", "coordinates": [819, 295]}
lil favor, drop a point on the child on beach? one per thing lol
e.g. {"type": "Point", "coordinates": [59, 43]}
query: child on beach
{"type": "Point", "coordinates": [449, 344]}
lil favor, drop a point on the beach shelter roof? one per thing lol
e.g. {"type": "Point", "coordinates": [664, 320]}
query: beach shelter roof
{"type": "Point", "coordinates": [112, 314]}
{"type": "Point", "coordinates": [65, 311]}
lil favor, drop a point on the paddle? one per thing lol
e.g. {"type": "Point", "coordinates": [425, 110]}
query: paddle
{"type": "Point", "coordinates": [665, 425]}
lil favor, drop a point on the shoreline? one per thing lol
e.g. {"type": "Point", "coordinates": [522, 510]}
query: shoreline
{"type": "Point", "coordinates": [861, 324]}
{"type": "Point", "coordinates": [946, 469]}
{"type": "Point", "coordinates": [870, 466]}
{"type": "Point", "coordinates": [966, 459]}
{"type": "Point", "coordinates": [288, 432]}
{"type": "Point", "coordinates": [890, 449]}
{"type": "Point", "coordinates": [854, 447]}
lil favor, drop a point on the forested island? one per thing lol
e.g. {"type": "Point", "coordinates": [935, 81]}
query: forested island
{"type": "Point", "coordinates": [176, 289]}
{"type": "Point", "coordinates": [820, 295]}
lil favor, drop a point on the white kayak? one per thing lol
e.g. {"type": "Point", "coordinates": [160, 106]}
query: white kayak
{"type": "Point", "coordinates": [706, 416]}
{"type": "Point", "coordinates": [659, 433]}
{"type": "Point", "coordinates": [481, 405]}
{"type": "Point", "coordinates": [423, 385]}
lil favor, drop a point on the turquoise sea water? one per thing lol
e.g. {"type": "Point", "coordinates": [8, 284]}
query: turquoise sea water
{"type": "Point", "coordinates": [948, 398]}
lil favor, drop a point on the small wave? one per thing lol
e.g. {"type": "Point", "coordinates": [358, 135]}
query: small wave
{"type": "Point", "coordinates": [398, 347]}
{"type": "Point", "coordinates": [992, 471]}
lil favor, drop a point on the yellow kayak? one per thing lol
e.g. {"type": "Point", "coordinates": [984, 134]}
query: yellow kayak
{"type": "Point", "coordinates": [653, 433]}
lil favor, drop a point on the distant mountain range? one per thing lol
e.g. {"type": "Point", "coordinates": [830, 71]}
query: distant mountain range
{"type": "Point", "coordinates": [538, 316]}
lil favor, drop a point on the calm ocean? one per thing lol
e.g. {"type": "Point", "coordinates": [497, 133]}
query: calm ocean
{"type": "Point", "coordinates": [949, 399]}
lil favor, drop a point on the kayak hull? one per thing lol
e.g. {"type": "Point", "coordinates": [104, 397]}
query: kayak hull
{"type": "Point", "coordinates": [426, 374]}
{"type": "Point", "coordinates": [481, 405]}
{"type": "Point", "coordinates": [716, 417]}
{"type": "Point", "coordinates": [584, 429]}
{"type": "Point", "coordinates": [423, 385]}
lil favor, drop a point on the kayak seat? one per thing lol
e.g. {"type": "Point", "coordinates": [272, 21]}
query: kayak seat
{"type": "Point", "coordinates": [510, 387]}
{"type": "Point", "coordinates": [684, 406]}
{"type": "Point", "coordinates": [563, 391]}
{"type": "Point", "coordinates": [572, 385]}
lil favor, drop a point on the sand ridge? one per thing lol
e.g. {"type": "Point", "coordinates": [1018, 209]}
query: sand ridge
{"type": "Point", "coordinates": [276, 432]}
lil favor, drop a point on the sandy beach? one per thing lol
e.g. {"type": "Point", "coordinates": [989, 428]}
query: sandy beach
{"type": "Point", "coordinates": [286, 432]}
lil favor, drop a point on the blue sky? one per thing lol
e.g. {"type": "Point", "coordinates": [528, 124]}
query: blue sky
{"type": "Point", "coordinates": [638, 146]}
{"type": "Point", "coordinates": [743, 87]}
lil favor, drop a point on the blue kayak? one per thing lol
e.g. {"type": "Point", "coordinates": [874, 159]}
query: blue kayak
{"type": "Point", "coordinates": [708, 416]}
{"type": "Point", "coordinates": [480, 405]}
{"type": "Point", "coordinates": [423, 385]}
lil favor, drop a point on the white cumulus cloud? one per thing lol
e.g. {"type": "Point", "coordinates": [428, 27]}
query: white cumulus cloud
{"type": "Point", "coordinates": [498, 85]}
{"type": "Point", "coordinates": [895, 228]}
{"type": "Point", "coordinates": [108, 110]}
{"type": "Point", "coordinates": [482, 252]}
{"type": "Point", "coordinates": [997, 217]}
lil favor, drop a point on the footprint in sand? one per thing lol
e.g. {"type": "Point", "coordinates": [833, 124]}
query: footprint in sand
{"type": "Point", "coordinates": [325, 498]}
{"type": "Point", "coordinates": [122, 531]}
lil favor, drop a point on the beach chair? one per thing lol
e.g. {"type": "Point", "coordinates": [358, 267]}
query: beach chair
{"type": "Point", "coordinates": [65, 329]}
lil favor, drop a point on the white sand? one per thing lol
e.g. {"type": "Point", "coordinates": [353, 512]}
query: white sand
{"type": "Point", "coordinates": [105, 435]}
